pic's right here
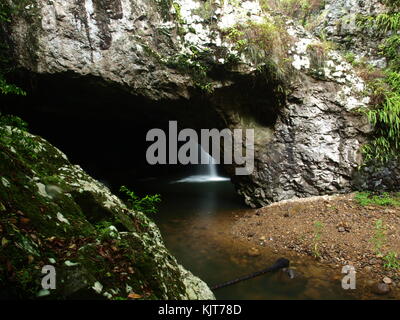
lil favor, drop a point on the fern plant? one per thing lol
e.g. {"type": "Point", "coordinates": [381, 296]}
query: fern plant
{"type": "Point", "coordinates": [385, 116]}
{"type": "Point", "coordinates": [145, 205]}
{"type": "Point", "coordinates": [386, 119]}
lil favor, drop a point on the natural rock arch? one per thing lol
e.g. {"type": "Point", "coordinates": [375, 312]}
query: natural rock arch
{"type": "Point", "coordinates": [300, 97]}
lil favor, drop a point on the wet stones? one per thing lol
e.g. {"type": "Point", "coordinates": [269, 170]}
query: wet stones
{"type": "Point", "coordinates": [292, 278]}
{"type": "Point", "coordinates": [381, 289]}
{"type": "Point", "coordinates": [250, 234]}
{"type": "Point", "coordinates": [343, 227]}
{"type": "Point", "coordinates": [253, 252]}
{"type": "Point", "coordinates": [290, 273]}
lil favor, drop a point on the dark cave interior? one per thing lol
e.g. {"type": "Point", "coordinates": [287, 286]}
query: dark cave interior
{"type": "Point", "coordinates": [103, 128]}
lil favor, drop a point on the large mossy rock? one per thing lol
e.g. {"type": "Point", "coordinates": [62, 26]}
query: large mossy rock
{"type": "Point", "coordinates": [53, 213]}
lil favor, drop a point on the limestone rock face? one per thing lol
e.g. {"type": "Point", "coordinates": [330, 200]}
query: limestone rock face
{"type": "Point", "coordinates": [316, 154]}
{"type": "Point", "coordinates": [131, 43]}
{"type": "Point", "coordinates": [338, 22]}
{"type": "Point", "coordinates": [54, 214]}
{"type": "Point", "coordinates": [308, 132]}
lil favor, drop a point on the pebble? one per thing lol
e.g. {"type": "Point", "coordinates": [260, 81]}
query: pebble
{"type": "Point", "coordinates": [253, 252]}
{"type": "Point", "coordinates": [370, 282]}
{"type": "Point", "coordinates": [291, 273]}
{"type": "Point", "coordinates": [341, 229]}
{"type": "Point", "coordinates": [368, 268]}
{"type": "Point", "coordinates": [381, 289]}
{"type": "Point", "coordinates": [389, 211]}
{"type": "Point", "coordinates": [387, 280]}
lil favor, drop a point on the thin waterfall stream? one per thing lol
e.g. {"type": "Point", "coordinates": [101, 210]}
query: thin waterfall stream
{"type": "Point", "coordinates": [207, 170]}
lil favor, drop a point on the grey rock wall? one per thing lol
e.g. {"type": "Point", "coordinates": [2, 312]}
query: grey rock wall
{"type": "Point", "coordinates": [312, 145]}
{"type": "Point", "coordinates": [338, 23]}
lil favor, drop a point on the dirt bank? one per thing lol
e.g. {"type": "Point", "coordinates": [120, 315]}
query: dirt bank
{"type": "Point", "coordinates": [337, 230]}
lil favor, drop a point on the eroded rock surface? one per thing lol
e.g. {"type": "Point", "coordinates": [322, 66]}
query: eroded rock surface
{"type": "Point", "coordinates": [258, 69]}
{"type": "Point", "coordinates": [339, 21]}
{"type": "Point", "coordinates": [53, 213]}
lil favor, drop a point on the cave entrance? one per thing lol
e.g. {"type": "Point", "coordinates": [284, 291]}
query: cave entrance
{"type": "Point", "coordinates": [103, 129]}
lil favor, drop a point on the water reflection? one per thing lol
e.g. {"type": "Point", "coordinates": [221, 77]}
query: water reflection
{"type": "Point", "coordinates": [195, 220]}
{"type": "Point", "coordinates": [201, 178]}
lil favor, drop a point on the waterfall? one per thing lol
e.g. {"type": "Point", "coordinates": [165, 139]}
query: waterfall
{"type": "Point", "coordinates": [207, 172]}
{"type": "Point", "coordinates": [211, 167]}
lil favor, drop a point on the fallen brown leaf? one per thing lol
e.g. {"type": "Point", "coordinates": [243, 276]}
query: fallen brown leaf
{"type": "Point", "coordinates": [24, 220]}
{"type": "Point", "coordinates": [134, 296]}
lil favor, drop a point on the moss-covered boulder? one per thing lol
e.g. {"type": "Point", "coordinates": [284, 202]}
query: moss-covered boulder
{"type": "Point", "coordinates": [53, 213]}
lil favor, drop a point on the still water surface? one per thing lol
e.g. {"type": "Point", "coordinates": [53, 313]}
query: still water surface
{"type": "Point", "coordinates": [195, 216]}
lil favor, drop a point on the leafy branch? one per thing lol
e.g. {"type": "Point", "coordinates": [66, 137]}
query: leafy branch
{"type": "Point", "coordinates": [145, 205]}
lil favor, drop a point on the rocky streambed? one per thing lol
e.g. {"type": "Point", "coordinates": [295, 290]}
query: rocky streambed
{"type": "Point", "coordinates": [334, 230]}
{"type": "Point", "coordinates": [208, 230]}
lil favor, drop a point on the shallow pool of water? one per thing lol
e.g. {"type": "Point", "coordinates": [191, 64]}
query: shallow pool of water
{"type": "Point", "coordinates": [195, 219]}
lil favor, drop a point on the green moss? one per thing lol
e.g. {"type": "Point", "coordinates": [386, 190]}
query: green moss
{"type": "Point", "coordinates": [383, 199]}
{"type": "Point", "coordinates": [164, 7]}
{"type": "Point", "coordinates": [206, 10]}
{"type": "Point", "coordinates": [13, 131]}
{"type": "Point", "coordinates": [195, 65]}
{"type": "Point", "coordinates": [74, 225]}
{"type": "Point", "coordinates": [27, 10]}
{"type": "Point", "coordinates": [7, 65]}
